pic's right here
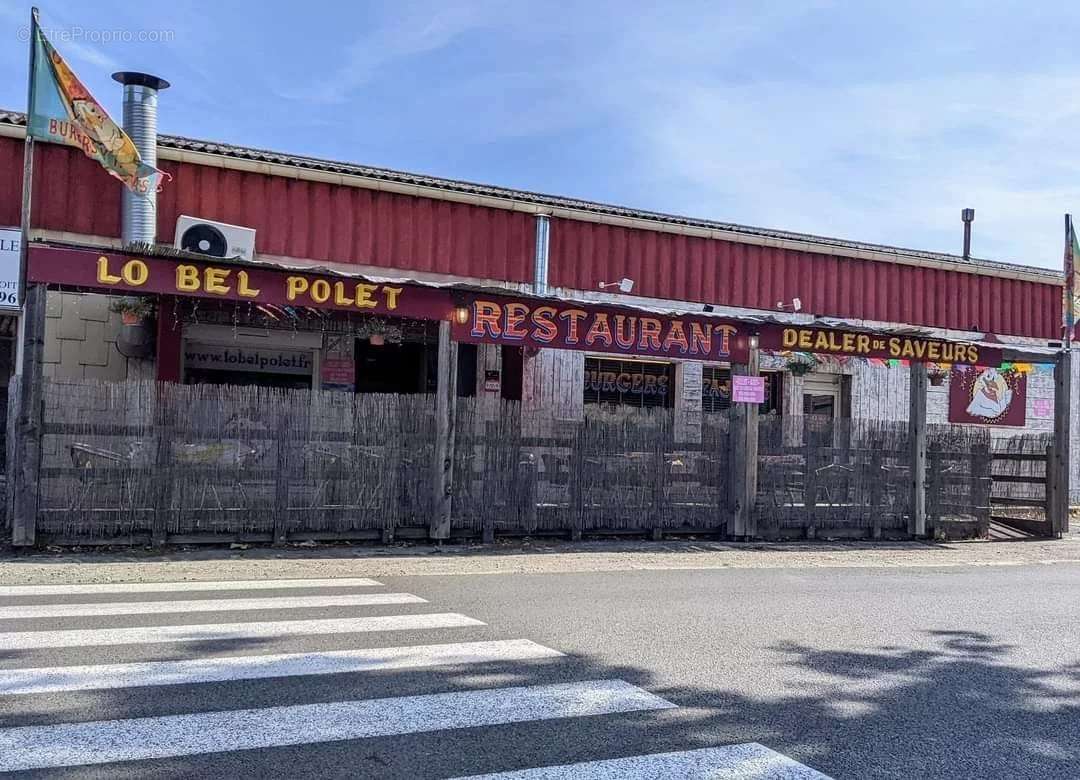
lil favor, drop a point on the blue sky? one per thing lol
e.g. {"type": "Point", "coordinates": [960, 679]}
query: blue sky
{"type": "Point", "coordinates": [875, 121]}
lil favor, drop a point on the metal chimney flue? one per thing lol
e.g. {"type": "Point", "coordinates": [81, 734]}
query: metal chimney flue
{"type": "Point", "coordinates": [139, 212]}
{"type": "Point", "coordinates": [968, 215]}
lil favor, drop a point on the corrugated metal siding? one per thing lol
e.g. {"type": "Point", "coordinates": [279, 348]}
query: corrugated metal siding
{"type": "Point", "coordinates": [678, 267]}
{"type": "Point", "coordinates": [295, 218]}
{"type": "Point", "coordinates": [11, 175]}
{"type": "Point", "coordinates": [326, 222]}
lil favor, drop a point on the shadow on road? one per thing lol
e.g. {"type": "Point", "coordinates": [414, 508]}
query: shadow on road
{"type": "Point", "coordinates": [955, 709]}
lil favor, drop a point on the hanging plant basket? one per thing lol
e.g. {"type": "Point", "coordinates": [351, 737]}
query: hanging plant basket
{"type": "Point", "coordinates": [379, 331]}
{"type": "Point", "coordinates": [937, 378]}
{"type": "Point", "coordinates": [800, 366]}
{"type": "Point", "coordinates": [137, 332]}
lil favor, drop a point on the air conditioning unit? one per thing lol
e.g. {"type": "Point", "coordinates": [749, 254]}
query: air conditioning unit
{"type": "Point", "coordinates": [215, 239]}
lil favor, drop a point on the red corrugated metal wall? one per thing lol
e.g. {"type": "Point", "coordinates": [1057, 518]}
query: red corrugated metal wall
{"type": "Point", "coordinates": [353, 225]}
{"type": "Point", "coordinates": [687, 268]}
{"type": "Point", "coordinates": [295, 218]}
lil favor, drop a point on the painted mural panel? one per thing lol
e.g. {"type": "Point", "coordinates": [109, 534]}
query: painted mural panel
{"type": "Point", "coordinates": [987, 396]}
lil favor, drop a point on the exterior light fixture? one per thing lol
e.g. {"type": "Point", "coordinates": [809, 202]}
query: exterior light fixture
{"type": "Point", "coordinates": [795, 305]}
{"type": "Point", "coordinates": [625, 285]}
{"type": "Point", "coordinates": [461, 314]}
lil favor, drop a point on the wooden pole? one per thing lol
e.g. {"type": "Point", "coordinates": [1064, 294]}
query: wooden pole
{"type": "Point", "coordinates": [1059, 515]}
{"type": "Point", "coordinates": [26, 468]}
{"type": "Point", "coordinates": [917, 435]}
{"type": "Point", "coordinates": [28, 425]}
{"type": "Point", "coordinates": [744, 457]}
{"type": "Point", "coordinates": [442, 470]}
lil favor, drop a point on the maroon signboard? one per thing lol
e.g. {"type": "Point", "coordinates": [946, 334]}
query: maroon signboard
{"type": "Point", "coordinates": [987, 396]}
{"type": "Point", "coordinates": [133, 275]}
{"type": "Point", "coordinates": [829, 341]}
{"type": "Point", "coordinates": [338, 373]}
{"type": "Point", "coordinates": [559, 325]}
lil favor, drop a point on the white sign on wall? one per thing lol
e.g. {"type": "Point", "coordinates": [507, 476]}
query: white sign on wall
{"type": "Point", "coordinates": [9, 267]}
{"type": "Point", "coordinates": [241, 358]}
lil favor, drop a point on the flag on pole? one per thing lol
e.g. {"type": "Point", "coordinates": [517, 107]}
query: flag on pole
{"type": "Point", "coordinates": [63, 111]}
{"type": "Point", "coordinates": [1072, 253]}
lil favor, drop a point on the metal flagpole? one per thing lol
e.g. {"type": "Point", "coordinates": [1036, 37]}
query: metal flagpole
{"type": "Point", "coordinates": [1070, 283]}
{"type": "Point", "coordinates": [1059, 470]}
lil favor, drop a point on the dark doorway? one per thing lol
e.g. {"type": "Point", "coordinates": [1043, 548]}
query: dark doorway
{"type": "Point", "coordinates": [392, 368]}
{"type": "Point", "coordinates": [512, 371]}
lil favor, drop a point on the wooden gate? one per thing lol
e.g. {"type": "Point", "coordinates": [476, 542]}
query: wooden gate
{"type": "Point", "coordinates": [1021, 493]}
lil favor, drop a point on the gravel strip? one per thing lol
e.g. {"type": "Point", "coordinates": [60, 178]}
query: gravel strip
{"type": "Point", "coordinates": [534, 557]}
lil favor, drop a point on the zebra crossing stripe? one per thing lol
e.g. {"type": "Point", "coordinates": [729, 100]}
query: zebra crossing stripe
{"type": "Point", "coordinates": [733, 762]}
{"type": "Point", "coordinates": [39, 747]}
{"type": "Point", "coordinates": [34, 640]}
{"type": "Point", "coordinates": [207, 670]}
{"type": "Point", "coordinates": [175, 587]}
{"type": "Point", "coordinates": [204, 605]}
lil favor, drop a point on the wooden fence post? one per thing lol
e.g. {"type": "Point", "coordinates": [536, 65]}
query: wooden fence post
{"type": "Point", "coordinates": [1059, 514]}
{"type": "Point", "coordinates": [28, 427]}
{"type": "Point", "coordinates": [743, 458]}
{"type": "Point", "coordinates": [877, 489]}
{"type": "Point", "coordinates": [982, 466]}
{"type": "Point", "coordinates": [442, 467]}
{"type": "Point", "coordinates": [526, 479]}
{"type": "Point", "coordinates": [1050, 489]}
{"type": "Point", "coordinates": [934, 487]}
{"type": "Point", "coordinates": [576, 480]}
{"type": "Point", "coordinates": [281, 485]}
{"type": "Point", "coordinates": [917, 434]}
{"type": "Point", "coordinates": [163, 471]}
{"type": "Point", "coordinates": [494, 453]}
{"type": "Point", "coordinates": [810, 486]}
{"type": "Point", "coordinates": [658, 482]}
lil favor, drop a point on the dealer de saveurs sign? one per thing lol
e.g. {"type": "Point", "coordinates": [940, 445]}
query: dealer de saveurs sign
{"type": "Point", "coordinates": [875, 345]}
{"type": "Point", "coordinates": [557, 325]}
{"type": "Point", "coordinates": [225, 281]}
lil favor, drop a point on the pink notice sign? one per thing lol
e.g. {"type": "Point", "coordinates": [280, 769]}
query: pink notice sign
{"type": "Point", "coordinates": [1042, 407]}
{"type": "Point", "coordinates": [748, 389]}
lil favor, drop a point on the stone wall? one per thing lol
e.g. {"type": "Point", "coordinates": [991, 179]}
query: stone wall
{"type": "Point", "coordinates": [80, 340]}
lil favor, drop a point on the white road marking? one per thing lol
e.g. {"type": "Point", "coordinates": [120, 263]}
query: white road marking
{"type": "Point", "coordinates": [32, 640]}
{"type": "Point", "coordinates": [734, 762]}
{"type": "Point", "coordinates": [205, 605]}
{"type": "Point", "coordinates": [171, 587]}
{"type": "Point", "coordinates": [132, 739]}
{"type": "Point", "coordinates": [205, 670]}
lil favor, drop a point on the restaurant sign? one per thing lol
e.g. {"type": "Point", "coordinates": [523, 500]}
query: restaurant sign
{"type": "Point", "coordinates": [232, 282]}
{"type": "Point", "coordinates": [875, 345]}
{"type": "Point", "coordinates": [560, 325]}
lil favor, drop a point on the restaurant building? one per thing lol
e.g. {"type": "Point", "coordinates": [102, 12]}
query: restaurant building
{"type": "Point", "coordinates": [362, 264]}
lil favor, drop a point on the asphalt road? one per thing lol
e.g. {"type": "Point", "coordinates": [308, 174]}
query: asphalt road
{"type": "Point", "coordinates": [857, 673]}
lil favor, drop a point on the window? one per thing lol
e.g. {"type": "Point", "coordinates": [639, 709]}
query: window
{"type": "Point", "coordinates": [637, 383]}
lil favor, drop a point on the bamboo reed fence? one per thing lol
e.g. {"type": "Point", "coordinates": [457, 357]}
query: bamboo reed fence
{"type": "Point", "coordinates": [141, 462]}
